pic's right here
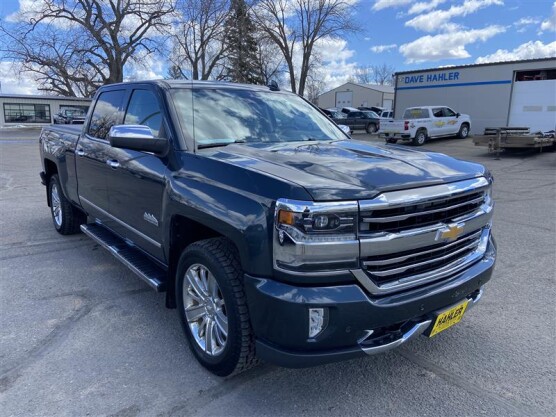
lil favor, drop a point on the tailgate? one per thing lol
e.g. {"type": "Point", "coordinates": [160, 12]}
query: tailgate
{"type": "Point", "coordinates": [392, 126]}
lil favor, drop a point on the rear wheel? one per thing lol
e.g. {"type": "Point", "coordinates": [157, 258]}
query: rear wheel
{"type": "Point", "coordinates": [371, 128]}
{"type": "Point", "coordinates": [212, 307]}
{"type": "Point", "coordinates": [65, 216]}
{"type": "Point", "coordinates": [463, 131]}
{"type": "Point", "coordinates": [420, 138]}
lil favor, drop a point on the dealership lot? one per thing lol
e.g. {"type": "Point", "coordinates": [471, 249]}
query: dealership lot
{"type": "Point", "coordinates": [81, 335]}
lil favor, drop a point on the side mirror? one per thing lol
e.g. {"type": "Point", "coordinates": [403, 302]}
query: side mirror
{"type": "Point", "coordinates": [345, 129]}
{"type": "Point", "coordinates": [137, 138]}
{"type": "Point", "coordinates": [458, 115]}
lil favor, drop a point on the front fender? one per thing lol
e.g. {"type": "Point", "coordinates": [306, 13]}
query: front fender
{"type": "Point", "coordinates": [241, 217]}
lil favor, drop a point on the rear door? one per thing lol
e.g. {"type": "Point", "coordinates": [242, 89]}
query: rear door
{"type": "Point", "coordinates": [92, 153]}
{"type": "Point", "coordinates": [137, 179]}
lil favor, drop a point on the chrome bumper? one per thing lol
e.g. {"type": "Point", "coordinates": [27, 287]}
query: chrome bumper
{"type": "Point", "coordinates": [419, 328]}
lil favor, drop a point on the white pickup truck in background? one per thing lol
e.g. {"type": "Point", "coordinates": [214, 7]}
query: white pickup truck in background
{"type": "Point", "coordinates": [421, 123]}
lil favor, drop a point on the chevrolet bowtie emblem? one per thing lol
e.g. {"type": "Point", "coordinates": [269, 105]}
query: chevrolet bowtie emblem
{"type": "Point", "coordinates": [450, 232]}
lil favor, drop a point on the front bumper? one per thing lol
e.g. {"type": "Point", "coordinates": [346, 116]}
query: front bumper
{"type": "Point", "coordinates": [357, 324]}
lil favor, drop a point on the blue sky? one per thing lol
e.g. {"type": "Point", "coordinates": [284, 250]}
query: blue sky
{"type": "Point", "coordinates": [407, 34]}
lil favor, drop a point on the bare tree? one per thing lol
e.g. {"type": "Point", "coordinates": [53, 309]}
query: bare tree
{"type": "Point", "coordinates": [296, 25]}
{"type": "Point", "coordinates": [375, 74]}
{"type": "Point", "coordinates": [269, 60]}
{"type": "Point", "coordinates": [199, 38]}
{"type": "Point", "coordinates": [74, 46]}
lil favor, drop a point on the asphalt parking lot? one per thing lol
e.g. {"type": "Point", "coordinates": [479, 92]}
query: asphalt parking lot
{"type": "Point", "coordinates": [81, 335]}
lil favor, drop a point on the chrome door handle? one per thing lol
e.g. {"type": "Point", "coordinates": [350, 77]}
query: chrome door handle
{"type": "Point", "coordinates": [80, 152]}
{"type": "Point", "coordinates": [113, 163]}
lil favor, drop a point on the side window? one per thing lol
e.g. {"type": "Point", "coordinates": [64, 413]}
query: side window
{"type": "Point", "coordinates": [143, 109]}
{"type": "Point", "coordinates": [106, 114]}
{"type": "Point", "coordinates": [449, 112]}
{"type": "Point", "coordinates": [438, 112]}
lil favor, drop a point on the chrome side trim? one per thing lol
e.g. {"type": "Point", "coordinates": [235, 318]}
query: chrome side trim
{"type": "Point", "coordinates": [421, 195]}
{"type": "Point", "coordinates": [127, 226]}
{"type": "Point", "coordinates": [412, 333]}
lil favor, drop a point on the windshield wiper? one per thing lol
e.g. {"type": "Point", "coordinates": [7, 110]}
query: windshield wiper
{"type": "Point", "coordinates": [217, 144]}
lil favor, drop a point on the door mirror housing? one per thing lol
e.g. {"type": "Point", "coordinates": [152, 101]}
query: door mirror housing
{"type": "Point", "coordinates": [137, 138]}
{"type": "Point", "coordinates": [458, 115]}
{"type": "Point", "coordinates": [345, 129]}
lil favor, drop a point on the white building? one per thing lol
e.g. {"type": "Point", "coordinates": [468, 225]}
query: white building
{"type": "Point", "coordinates": [516, 93]}
{"type": "Point", "coordinates": [356, 95]}
{"type": "Point", "coordinates": [18, 109]}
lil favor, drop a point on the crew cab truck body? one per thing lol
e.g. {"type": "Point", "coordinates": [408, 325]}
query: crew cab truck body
{"type": "Point", "coordinates": [421, 123]}
{"type": "Point", "coordinates": [273, 234]}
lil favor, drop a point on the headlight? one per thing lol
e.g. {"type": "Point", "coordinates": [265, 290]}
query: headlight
{"type": "Point", "coordinates": [310, 236]}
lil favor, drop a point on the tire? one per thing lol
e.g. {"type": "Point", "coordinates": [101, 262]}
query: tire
{"type": "Point", "coordinates": [65, 216]}
{"type": "Point", "coordinates": [371, 128]}
{"type": "Point", "coordinates": [463, 131]}
{"type": "Point", "coordinates": [221, 310]}
{"type": "Point", "coordinates": [420, 138]}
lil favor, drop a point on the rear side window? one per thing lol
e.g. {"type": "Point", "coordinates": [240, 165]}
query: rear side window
{"type": "Point", "coordinates": [416, 113]}
{"type": "Point", "coordinates": [144, 110]}
{"type": "Point", "coordinates": [106, 114]}
{"type": "Point", "coordinates": [438, 112]}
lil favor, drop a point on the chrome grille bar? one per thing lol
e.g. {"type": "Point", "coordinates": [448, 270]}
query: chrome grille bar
{"type": "Point", "coordinates": [402, 269]}
{"type": "Point", "coordinates": [401, 259]}
{"type": "Point", "coordinates": [389, 219]}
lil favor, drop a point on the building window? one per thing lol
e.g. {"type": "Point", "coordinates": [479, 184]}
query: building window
{"type": "Point", "coordinates": [536, 75]}
{"type": "Point", "coordinates": [26, 113]}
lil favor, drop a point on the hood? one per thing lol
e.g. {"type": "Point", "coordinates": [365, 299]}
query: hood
{"type": "Point", "coordinates": [344, 170]}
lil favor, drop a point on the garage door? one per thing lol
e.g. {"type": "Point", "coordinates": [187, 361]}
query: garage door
{"type": "Point", "coordinates": [533, 104]}
{"type": "Point", "coordinates": [344, 99]}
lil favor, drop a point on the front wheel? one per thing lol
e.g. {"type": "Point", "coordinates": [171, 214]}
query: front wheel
{"type": "Point", "coordinates": [212, 307]}
{"type": "Point", "coordinates": [420, 138]}
{"type": "Point", "coordinates": [463, 131]}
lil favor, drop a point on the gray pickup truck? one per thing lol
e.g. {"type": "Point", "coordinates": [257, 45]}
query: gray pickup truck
{"type": "Point", "coordinates": [273, 234]}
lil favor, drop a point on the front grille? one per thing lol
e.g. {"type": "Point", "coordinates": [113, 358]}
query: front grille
{"type": "Point", "coordinates": [399, 266]}
{"type": "Point", "coordinates": [409, 238]}
{"type": "Point", "coordinates": [393, 220]}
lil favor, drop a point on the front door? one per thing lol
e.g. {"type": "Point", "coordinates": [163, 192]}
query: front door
{"type": "Point", "coordinates": [137, 179]}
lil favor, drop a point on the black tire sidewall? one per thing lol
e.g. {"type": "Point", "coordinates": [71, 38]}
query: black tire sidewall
{"type": "Point", "coordinates": [226, 361]}
{"type": "Point", "coordinates": [55, 180]}
{"type": "Point", "coordinates": [371, 128]}
{"type": "Point", "coordinates": [419, 133]}
{"type": "Point", "coordinates": [460, 133]}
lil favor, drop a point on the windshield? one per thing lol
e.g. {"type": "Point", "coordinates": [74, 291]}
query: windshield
{"type": "Point", "coordinates": [218, 117]}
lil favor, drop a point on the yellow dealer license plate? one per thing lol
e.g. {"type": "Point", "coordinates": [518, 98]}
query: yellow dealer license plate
{"type": "Point", "coordinates": [448, 318]}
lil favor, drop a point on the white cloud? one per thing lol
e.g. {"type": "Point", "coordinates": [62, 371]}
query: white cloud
{"type": "Point", "coordinates": [15, 81]}
{"type": "Point", "coordinates": [440, 19]}
{"type": "Point", "coordinates": [529, 50]}
{"type": "Point", "coordinates": [446, 45]}
{"type": "Point", "coordinates": [421, 7]}
{"type": "Point", "coordinates": [334, 53]}
{"type": "Point", "coordinates": [385, 4]}
{"type": "Point", "coordinates": [383, 48]}
{"type": "Point", "coordinates": [550, 23]}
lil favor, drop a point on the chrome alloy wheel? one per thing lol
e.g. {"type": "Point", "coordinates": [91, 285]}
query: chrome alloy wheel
{"type": "Point", "coordinates": [56, 205]}
{"type": "Point", "coordinates": [205, 310]}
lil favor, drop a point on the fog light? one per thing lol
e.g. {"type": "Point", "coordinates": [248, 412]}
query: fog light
{"type": "Point", "coordinates": [316, 321]}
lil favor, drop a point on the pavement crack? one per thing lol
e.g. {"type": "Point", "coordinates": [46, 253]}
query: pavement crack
{"type": "Point", "coordinates": [513, 406]}
{"type": "Point", "coordinates": [203, 398]}
{"type": "Point", "coordinates": [10, 374]}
